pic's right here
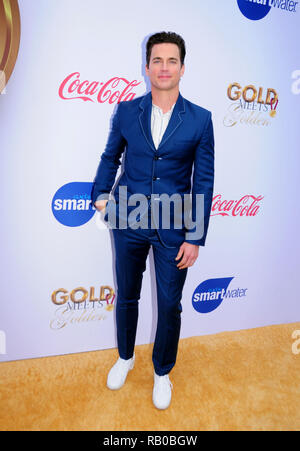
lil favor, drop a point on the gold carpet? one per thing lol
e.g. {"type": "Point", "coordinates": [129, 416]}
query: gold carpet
{"type": "Point", "coordinates": [245, 380]}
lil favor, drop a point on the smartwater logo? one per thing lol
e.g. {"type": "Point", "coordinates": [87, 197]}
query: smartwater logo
{"type": "Point", "coordinates": [211, 293]}
{"type": "Point", "coordinates": [258, 9]}
{"type": "Point", "coordinates": [71, 204]}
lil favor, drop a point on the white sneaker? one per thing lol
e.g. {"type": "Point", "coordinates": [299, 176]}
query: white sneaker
{"type": "Point", "coordinates": [162, 391]}
{"type": "Point", "coordinates": [118, 373]}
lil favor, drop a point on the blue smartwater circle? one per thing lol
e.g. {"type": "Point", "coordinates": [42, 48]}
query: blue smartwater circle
{"type": "Point", "coordinates": [253, 11]}
{"type": "Point", "coordinates": [71, 204]}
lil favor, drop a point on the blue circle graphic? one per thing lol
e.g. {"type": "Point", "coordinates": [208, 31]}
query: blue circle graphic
{"type": "Point", "coordinates": [254, 10]}
{"type": "Point", "coordinates": [71, 204]}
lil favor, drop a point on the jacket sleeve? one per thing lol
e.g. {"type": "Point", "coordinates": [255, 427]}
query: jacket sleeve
{"type": "Point", "coordinates": [110, 161]}
{"type": "Point", "coordinates": [203, 183]}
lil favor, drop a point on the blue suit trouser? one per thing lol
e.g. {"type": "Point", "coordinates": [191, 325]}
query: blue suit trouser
{"type": "Point", "coordinates": [132, 248]}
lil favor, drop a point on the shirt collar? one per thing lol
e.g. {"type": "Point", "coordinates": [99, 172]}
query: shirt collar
{"type": "Point", "coordinates": [159, 110]}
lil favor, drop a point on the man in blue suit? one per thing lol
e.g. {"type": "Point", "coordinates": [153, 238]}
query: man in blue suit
{"type": "Point", "coordinates": [167, 138]}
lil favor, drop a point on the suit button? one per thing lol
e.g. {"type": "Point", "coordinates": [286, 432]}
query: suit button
{"type": "Point", "coordinates": [156, 157]}
{"type": "Point", "coordinates": [154, 178]}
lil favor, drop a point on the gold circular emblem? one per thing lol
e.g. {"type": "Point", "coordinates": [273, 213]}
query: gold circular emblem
{"type": "Point", "coordinates": [9, 39]}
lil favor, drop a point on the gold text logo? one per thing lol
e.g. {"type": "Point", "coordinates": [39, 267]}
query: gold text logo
{"type": "Point", "coordinates": [9, 39]}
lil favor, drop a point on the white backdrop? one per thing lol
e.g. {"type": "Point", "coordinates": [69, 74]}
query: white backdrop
{"type": "Point", "coordinates": [51, 141]}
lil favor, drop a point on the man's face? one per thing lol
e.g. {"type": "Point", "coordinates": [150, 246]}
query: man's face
{"type": "Point", "coordinates": [165, 68]}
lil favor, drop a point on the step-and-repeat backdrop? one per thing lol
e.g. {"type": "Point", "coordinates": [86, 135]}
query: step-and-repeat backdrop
{"type": "Point", "coordinates": [65, 64]}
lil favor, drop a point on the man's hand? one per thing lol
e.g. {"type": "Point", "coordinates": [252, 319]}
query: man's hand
{"type": "Point", "coordinates": [190, 254]}
{"type": "Point", "coordinates": [100, 204]}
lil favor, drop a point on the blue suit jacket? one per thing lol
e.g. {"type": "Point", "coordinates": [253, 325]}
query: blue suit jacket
{"type": "Point", "coordinates": [187, 144]}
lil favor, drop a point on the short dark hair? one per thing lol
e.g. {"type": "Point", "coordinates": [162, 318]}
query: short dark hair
{"type": "Point", "coordinates": [165, 36]}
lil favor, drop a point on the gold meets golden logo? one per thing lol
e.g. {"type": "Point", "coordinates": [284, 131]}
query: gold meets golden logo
{"type": "Point", "coordinates": [9, 39]}
{"type": "Point", "coordinates": [251, 105]}
{"type": "Point", "coordinates": [81, 306]}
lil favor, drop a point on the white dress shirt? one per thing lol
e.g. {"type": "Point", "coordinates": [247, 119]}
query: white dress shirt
{"type": "Point", "coordinates": [159, 123]}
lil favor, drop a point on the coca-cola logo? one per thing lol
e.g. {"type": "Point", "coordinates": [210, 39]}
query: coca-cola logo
{"type": "Point", "coordinates": [116, 89]}
{"type": "Point", "coordinates": [246, 206]}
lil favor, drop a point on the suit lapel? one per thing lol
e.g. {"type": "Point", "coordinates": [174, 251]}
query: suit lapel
{"type": "Point", "coordinates": [145, 119]}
